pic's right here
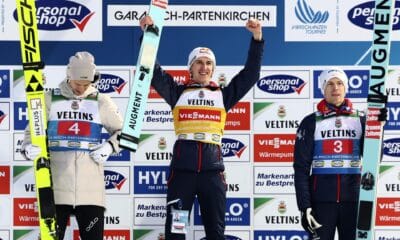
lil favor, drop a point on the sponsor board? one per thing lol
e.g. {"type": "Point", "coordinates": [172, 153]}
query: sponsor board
{"type": "Point", "coordinates": [24, 181]}
{"type": "Point", "coordinates": [387, 211]}
{"type": "Point", "coordinates": [195, 15]}
{"type": "Point", "coordinates": [150, 179]}
{"type": "Point", "coordinates": [76, 20]}
{"type": "Point", "coordinates": [274, 180]}
{"type": "Point", "coordinates": [238, 117]}
{"type": "Point", "coordinates": [25, 212]}
{"type": "Point", "coordinates": [6, 213]}
{"type": "Point", "coordinates": [158, 116]}
{"type": "Point", "coordinates": [279, 117]}
{"type": "Point", "coordinates": [313, 20]}
{"type": "Point", "coordinates": [238, 185]}
{"type": "Point", "coordinates": [284, 235]}
{"type": "Point", "coordinates": [148, 234]}
{"type": "Point", "coordinates": [26, 234]}
{"type": "Point", "coordinates": [358, 83]}
{"type": "Point", "coordinates": [291, 84]}
{"type": "Point", "coordinates": [20, 116]}
{"type": "Point", "coordinates": [149, 211]}
{"type": "Point", "coordinates": [5, 179]}
{"type": "Point", "coordinates": [119, 212]}
{"type": "Point", "coordinates": [6, 148]}
{"type": "Point", "coordinates": [237, 212]}
{"type": "Point", "coordinates": [18, 140]}
{"type": "Point", "coordinates": [236, 148]}
{"type": "Point", "coordinates": [4, 83]}
{"type": "Point", "coordinates": [273, 147]}
{"type": "Point", "coordinates": [390, 147]}
{"type": "Point", "coordinates": [389, 180]}
{"type": "Point", "coordinates": [4, 116]}
{"type": "Point", "coordinates": [4, 234]}
{"type": "Point", "coordinates": [393, 120]}
{"type": "Point", "coordinates": [276, 213]}
{"type": "Point", "coordinates": [393, 234]}
{"type": "Point", "coordinates": [114, 82]}
{"type": "Point", "coordinates": [155, 147]}
{"type": "Point", "coordinates": [392, 83]}
{"type": "Point", "coordinates": [117, 180]}
{"type": "Point", "coordinates": [120, 234]}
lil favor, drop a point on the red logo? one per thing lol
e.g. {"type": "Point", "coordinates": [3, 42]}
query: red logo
{"type": "Point", "coordinates": [81, 24]}
{"type": "Point", "coordinates": [109, 234]}
{"type": "Point", "coordinates": [5, 180]}
{"type": "Point", "coordinates": [274, 147]}
{"type": "Point", "coordinates": [238, 117]}
{"type": "Point", "coordinates": [26, 212]}
{"type": "Point", "coordinates": [199, 114]}
{"type": "Point", "coordinates": [388, 212]}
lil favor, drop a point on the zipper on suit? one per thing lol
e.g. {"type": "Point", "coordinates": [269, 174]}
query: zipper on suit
{"type": "Point", "coordinates": [199, 145]}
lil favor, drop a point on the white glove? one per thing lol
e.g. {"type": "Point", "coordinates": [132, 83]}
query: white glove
{"type": "Point", "coordinates": [31, 151]}
{"type": "Point", "coordinates": [311, 220]}
{"type": "Point", "coordinates": [101, 152]}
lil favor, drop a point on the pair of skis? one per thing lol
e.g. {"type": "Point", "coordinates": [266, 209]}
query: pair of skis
{"type": "Point", "coordinates": [380, 54]}
{"type": "Point", "coordinates": [129, 137]}
{"type": "Point", "coordinates": [35, 97]}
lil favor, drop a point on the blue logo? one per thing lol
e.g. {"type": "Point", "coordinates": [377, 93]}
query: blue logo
{"type": "Point", "coordinates": [358, 83]}
{"type": "Point", "coordinates": [391, 147]}
{"type": "Point", "coordinates": [232, 147]}
{"type": "Point", "coordinates": [237, 212]}
{"type": "Point", "coordinates": [20, 115]}
{"type": "Point", "coordinates": [393, 121]}
{"type": "Point", "coordinates": [56, 15]}
{"type": "Point", "coordinates": [268, 235]}
{"type": "Point", "coordinates": [109, 83]}
{"type": "Point", "coordinates": [281, 84]}
{"type": "Point", "coordinates": [308, 16]}
{"type": "Point", "coordinates": [114, 180]}
{"type": "Point", "coordinates": [362, 15]}
{"type": "Point", "coordinates": [4, 84]}
{"type": "Point", "coordinates": [150, 179]}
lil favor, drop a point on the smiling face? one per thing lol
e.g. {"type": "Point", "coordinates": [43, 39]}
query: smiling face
{"type": "Point", "coordinates": [202, 70]}
{"type": "Point", "coordinates": [79, 87]}
{"type": "Point", "coordinates": [335, 91]}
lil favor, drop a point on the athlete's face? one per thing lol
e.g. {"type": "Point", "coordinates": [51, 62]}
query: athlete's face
{"type": "Point", "coordinates": [335, 91]}
{"type": "Point", "coordinates": [202, 70]}
{"type": "Point", "coordinates": [79, 86]}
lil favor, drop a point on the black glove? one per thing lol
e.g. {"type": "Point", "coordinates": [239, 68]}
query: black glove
{"type": "Point", "coordinates": [382, 114]}
{"type": "Point", "coordinates": [309, 223]}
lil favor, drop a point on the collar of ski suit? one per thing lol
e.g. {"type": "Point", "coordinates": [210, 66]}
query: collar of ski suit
{"type": "Point", "coordinates": [328, 109]}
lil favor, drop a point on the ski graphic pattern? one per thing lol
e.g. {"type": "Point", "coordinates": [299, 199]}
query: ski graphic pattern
{"type": "Point", "coordinates": [129, 138]}
{"type": "Point", "coordinates": [380, 54]}
{"type": "Point", "coordinates": [34, 89]}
